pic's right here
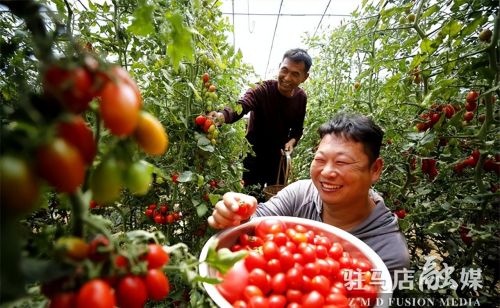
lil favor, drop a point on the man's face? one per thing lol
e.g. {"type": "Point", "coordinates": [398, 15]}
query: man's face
{"type": "Point", "coordinates": [341, 171]}
{"type": "Point", "coordinates": [290, 75]}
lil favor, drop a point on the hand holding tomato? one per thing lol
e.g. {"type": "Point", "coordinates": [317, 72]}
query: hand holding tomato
{"type": "Point", "coordinates": [231, 210]}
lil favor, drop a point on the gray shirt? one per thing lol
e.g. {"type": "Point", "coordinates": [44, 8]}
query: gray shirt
{"type": "Point", "coordinates": [380, 230]}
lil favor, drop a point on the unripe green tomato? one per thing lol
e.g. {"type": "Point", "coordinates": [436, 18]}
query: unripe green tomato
{"type": "Point", "coordinates": [213, 141]}
{"type": "Point", "coordinates": [213, 96]}
{"type": "Point", "coordinates": [138, 177]}
{"type": "Point", "coordinates": [211, 129]}
{"type": "Point", "coordinates": [215, 133]}
{"type": "Point", "coordinates": [210, 135]}
{"type": "Point", "coordinates": [159, 180]}
{"type": "Point", "coordinates": [106, 181]}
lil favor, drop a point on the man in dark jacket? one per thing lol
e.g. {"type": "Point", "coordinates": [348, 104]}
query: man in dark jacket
{"type": "Point", "coordinates": [278, 108]}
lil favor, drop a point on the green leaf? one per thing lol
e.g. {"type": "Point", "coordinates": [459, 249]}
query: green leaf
{"type": "Point", "coordinates": [223, 259]}
{"type": "Point", "coordinates": [143, 20]}
{"type": "Point", "coordinates": [426, 46]}
{"type": "Point", "coordinates": [201, 210]}
{"type": "Point", "coordinates": [195, 92]}
{"type": "Point", "coordinates": [180, 45]}
{"type": "Point", "coordinates": [474, 25]}
{"type": "Point", "coordinates": [214, 198]}
{"type": "Point", "coordinates": [186, 176]}
{"type": "Point", "coordinates": [431, 10]}
{"type": "Point", "coordinates": [205, 144]}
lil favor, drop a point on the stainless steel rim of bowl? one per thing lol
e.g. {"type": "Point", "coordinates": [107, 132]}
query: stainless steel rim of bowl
{"type": "Point", "coordinates": [228, 237]}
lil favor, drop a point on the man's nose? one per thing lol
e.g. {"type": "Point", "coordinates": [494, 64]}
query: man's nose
{"type": "Point", "coordinates": [329, 170]}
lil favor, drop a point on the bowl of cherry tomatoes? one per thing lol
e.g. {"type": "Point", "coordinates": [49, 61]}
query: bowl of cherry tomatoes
{"type": "Point", "coordinates": [296, 262]}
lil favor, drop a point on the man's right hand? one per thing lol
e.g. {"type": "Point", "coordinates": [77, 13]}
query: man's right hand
{"type": "Point", "coordinates": [218, 116]}
{"type": "Point", "coordinates": [232, 210]}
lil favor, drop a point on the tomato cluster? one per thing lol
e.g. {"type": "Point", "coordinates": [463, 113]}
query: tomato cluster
{"type": "Point", "coordinates": [62, 156]}
{"type": "Point", "coordinates": [122, 286]}
{"type": "Point", "coordinates": [490, 164]}
{"type": "Point", "coordinates": [296, 267]}
{"type": "Point", "coordinates": [429, 168]}
{"type": "Point", "coordinates": [161, 215]}
{"type": "Point", "coordinates": [208, 126]}
{"type": "Point", "coordinates": [430, 118]}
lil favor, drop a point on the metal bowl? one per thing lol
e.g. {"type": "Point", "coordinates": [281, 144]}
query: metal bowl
{"type": "Point", "coordinates": [351, 244]}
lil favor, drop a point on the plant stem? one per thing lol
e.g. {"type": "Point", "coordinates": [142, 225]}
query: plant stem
{"type": "Point", "coordinates": [78, 212]}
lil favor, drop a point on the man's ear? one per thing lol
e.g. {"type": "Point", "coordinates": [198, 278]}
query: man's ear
{"type": "Point", "coordinates": [376, 169]}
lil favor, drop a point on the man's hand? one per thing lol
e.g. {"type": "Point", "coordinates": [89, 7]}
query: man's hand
{"type": "Point", "coordinates": [289, 145]}
{"type": "Point", "coordinates": [218, 117]}
{"type": "Point", "coordinates": [232, 210]}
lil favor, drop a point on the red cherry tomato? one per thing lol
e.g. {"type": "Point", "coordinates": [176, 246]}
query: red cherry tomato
{"type": "Point", "coordinates": [337, 299]}
{"type": "Point", "coordinates": [234, 282]}
{"type": "Point", "coordinates": [294, 278]}
{"type": "Point", "coordinates": [313, 300]}
{"type": "Point", "coordinates": [157, 284]}
{"type": "Point", "coordinates": [278, 283]}
{"type": "Point", "coordinates": [251, 291]}
{"type": "Point", "coordinates": [261, 279]}
{"type": "Point", "coordinates": [97, 294]}
{"type": "Point", "coordinates": [119, 108]}
{"type": "Point", "coordinates": [99, 248]}
{"type": "Point", "coordinates": [200, 120]}
{"type": "Point", "coordinates": [77, 133]}
{"type": "Point", "coordinates": [270, 250]}
{"type": "Point", "coordinates": [61, 165]}
{"type": "Point", "coordinates": [156, 256]}
{"type": "Point", "coordinates": [71, 87]}
{"type": "Point", "coordinates": [321, 284]}
{"type": "Point", "coordinates": [255, 260]}
{"type": "Point", "coordinates": [131, 292]}
{"type": "Point", "coordinates": [277, 301]}
{"type": "Point", "coordinates": [269, 226]}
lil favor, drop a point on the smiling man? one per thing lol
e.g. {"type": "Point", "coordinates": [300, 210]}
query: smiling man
{"type": "Point", "coordinates": [345, 166]}
{"type": "Point", "coordinates": [278, 108]}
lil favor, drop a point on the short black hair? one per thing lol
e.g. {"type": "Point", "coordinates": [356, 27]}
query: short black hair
{"type": "Point", "coordinates": [299, 55]}
{"type": "Point", "coordinates": [357, 128]}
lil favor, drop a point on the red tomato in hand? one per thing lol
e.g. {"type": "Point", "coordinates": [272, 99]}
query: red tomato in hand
{"type": "Point", "coordinates": [61, 165]}
{"type": "Point", "coordinates": [77, 133]}
{"type": "Point", "coordinates": [96, 294]}
{"type": "Point", "coordinates": [131, 292]}
{"type": "Point", "coordinates": [243, 209]}
{"type": "Point", "coordinates": [157, 284]}
{"type": "Point", "coordinates": [119, 108]}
